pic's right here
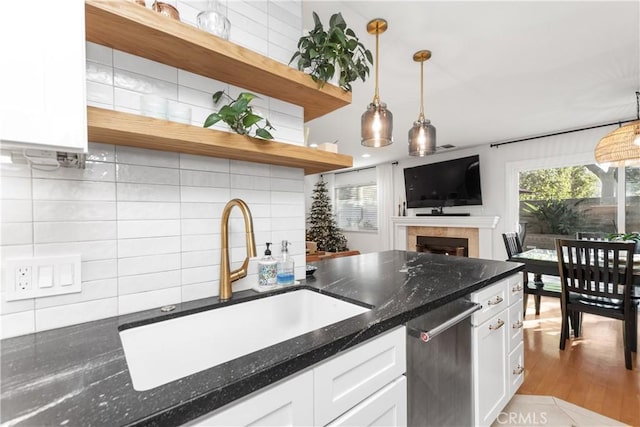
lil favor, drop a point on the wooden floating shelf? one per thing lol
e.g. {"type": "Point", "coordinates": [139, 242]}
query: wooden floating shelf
{"type": "Point", "coordinates": [114, 127]}
{"type": "Point", "coordinates": [126, 26]}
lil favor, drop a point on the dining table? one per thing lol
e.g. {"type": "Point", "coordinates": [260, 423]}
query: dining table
{"type": "Point", "coordinates": [545, 261]}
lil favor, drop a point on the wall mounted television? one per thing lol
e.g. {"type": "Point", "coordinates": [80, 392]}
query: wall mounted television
{"type": "Point", "coordinates": [450, 183]}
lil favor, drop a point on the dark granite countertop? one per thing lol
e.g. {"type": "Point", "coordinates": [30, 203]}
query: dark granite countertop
{"type": "Point", "coordinates": [78, 376]}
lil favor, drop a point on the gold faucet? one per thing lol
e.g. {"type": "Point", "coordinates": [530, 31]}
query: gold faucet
{"type": "Point", "coordinates": [227, 277]}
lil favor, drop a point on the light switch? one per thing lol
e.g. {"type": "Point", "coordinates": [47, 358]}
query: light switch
{"type": "Point", "coordinates": [45, 276]}
{"type": "Point", "coordinates": [66, 274]}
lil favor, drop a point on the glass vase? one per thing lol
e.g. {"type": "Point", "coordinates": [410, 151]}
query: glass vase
{"type": "Point", "coordinates": [214, 20]}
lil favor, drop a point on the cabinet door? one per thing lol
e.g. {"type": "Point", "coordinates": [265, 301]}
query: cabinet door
{"type": "Point", "coordinates": [348, 378]}
{"type": "Point", "coordinates": [286, 403]}
{"type": "Point", "coordinates": [516, 325]}
{"type": "Point", "coordinates": [516, 369]}
{"type": "Point", "coordinates": [42, 58]}
{"type": "Point", "coordinates": [387, 407]}
{"type": "Point", "coordinates": [516, 289]}
{"type": "Point", "coordinates": [490, 386]}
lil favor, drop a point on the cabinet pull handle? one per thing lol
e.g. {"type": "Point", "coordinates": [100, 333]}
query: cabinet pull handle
{"type": "Point", "coordinates": [518, 370]}
{"type": "Point", "coordinates": [518, 324]}
{"type": "Point", "coordinates": [499, 324]}
{"type": "Point", "coordinates": [497, 300]}
{"type": "Point", "coordinates": [517, 288]}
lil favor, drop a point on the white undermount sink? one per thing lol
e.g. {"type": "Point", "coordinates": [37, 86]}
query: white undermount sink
{"type": "Point", "coordinates": [168, 350]}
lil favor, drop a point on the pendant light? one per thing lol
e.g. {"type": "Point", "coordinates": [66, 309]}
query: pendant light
{"type": "Point", "coordinates": [621, 147]}
{"type": "Point", "coordinates": [422, 136]}
{"type": "Point", "coordinates": [377, 121]}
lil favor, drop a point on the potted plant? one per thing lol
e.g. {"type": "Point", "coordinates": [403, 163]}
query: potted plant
{"type": "Point", "coordinates": [239, 115]}
{"type": "Point", "coordinates": [322, 53]}
{"type": "Point", "coordinates": [627, 237]}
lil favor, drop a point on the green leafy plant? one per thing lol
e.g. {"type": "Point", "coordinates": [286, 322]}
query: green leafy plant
{"type": "Point", "coordinates": [624, 236]}
{"type": "Point", "coordinates": [239, 115]}
{"type": "Point", "coordinates": [555, 216]}
{"type": "Point", "coordinates": [322, 52]}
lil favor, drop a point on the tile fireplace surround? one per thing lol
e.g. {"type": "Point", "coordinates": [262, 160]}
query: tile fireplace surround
{"type": "Point", "coordinates": [477, 229]}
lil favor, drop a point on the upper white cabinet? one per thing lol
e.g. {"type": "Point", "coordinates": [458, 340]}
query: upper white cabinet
{"type": "Point", "coordinates": [42, 58]}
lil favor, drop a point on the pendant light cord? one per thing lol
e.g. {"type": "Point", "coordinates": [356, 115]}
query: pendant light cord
{"type": "Point", "coordinates": [638, 105]}
{"type": "Point", "coordinates": [376, 97]}
{"type": "Point", "coordinates": [421, 117]}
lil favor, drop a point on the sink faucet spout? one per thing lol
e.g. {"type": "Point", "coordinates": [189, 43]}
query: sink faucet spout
{"type": "Point", "coordinates": [227, 277]}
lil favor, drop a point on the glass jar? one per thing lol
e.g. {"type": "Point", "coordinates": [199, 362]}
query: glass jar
{"type": "Point", "coordinates": [214, 20]}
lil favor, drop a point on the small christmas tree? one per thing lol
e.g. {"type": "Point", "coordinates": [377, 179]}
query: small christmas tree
{"type": "Point", "coordinates": [323, 228]}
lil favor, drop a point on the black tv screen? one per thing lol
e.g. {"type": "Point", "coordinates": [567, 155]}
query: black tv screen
{"type": "Point", "coordinates": [451, 183]}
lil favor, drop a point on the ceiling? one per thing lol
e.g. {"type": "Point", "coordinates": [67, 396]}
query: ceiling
{"type": "Point", "coordinates": [500, 70]}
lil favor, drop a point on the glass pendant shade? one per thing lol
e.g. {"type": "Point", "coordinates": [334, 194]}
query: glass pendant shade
{"type": "Point", "coordinates": [377, 126]}
{"type": "Point", "coordinates": [422, 138]}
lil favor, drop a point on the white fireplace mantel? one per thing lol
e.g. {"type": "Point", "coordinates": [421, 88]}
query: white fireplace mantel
{"type": "Point", "coordinates": [484, 224]}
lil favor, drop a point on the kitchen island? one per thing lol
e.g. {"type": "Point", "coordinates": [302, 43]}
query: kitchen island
{"type": "Point", "coordinates": [78, 375]}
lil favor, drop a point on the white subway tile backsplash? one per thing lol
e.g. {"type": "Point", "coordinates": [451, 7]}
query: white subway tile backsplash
{"type": "Point", "coordinates": [204, 194]}
{"type": "Point", "coordinates": [75, 231]}
{"type": "Point", "coordinates": [53, 210]}
{"type": "Point", "coordinates": [16, 211]}
{"type": "Point", "coordinates": [202, 163]}
{"type": "Point", "coordinates": [148, 228]}
{"type": "Point", "coordinates": [148, 193]}
{"type": "Point", "coordinates": [201, 210]}
{"type": "Point", "coordinates": [200, 290]}
{"type": "Point", "coordinates": [102, 269]}
{"type": "Point", "coordinates": [71, 314]}
{"type": "Point", "coordinates": [148, 282]}
{"type": "Point", "coordinates": [200, 258]}
{"type": "Point", "coordinates": [99, 53]}
{"type": "Point", "coordinates": [201, 242]}
{"type": "Point", "coordinates": [144, 157]}
{"type": "Point", "coordinates": [15, 188]}
{"type": "Point", "coordinates": [92, 290]}
{"type": "Point", "coordinates": [93, 250]}
{"type": "Point", "coordinates": [280, 184]}
{"type": "Point", "coordinates": [204, 179]}
{"type": "Point", "coordinates": [148, 300]}
{"type": "Point", "coordinates": [148, 210]}
{"type": "Point", "coordinates": [59, 189]}
{"type": "Point", "coordinates": [147, 175]}
{"type": "Point", "coordinates": [143, 66]}
{"type": "Point", "coordinates": [200, 274]}
{"type": "Point", "coordinates": [101, 152]}
{"type": "Point", "coordinates": [15, 324]}
{"type": "Point", "coordinates": [148, 264]}
{"type": "Point", "coordinates": [16, 233]}
{"type": "Point", "coordinates": [147, 223]}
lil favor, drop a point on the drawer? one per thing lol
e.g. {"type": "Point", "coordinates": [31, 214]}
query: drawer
{"type": "Point", "coordinates": [386, 407]}
{"type": "Point", "coordinates": [349, 378]}
{"type": "Point", "coordinates": [493, 299]}
{"type": "Point", "coordinates": [516, 325]}
{"type": "Point", "coordinates": [516, 369]}
{"type": "Point", "coordinates": [515, 288]}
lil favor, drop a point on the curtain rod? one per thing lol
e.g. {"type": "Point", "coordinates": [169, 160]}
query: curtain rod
{"type": "Point", "coordinates": [355, 170]}
{"type": "Point", "coordinates": [498, 144]}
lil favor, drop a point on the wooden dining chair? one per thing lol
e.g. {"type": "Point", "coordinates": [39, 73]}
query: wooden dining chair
{"type": "Point", "coordinates": [550, 288]}
{"type": "Point", "coordinates": [591, 235]}
{"type": "Point", "coordinates": [597, 278]}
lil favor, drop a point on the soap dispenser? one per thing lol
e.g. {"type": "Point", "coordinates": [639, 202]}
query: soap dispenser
{"type": "Point", "coordinates": [286, 274]}
{"type": "Point", "coordinates": [267, 269]}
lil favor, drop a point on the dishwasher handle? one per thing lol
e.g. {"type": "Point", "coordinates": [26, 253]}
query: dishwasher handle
{"type": "Point", "coordinates": [426, 336]}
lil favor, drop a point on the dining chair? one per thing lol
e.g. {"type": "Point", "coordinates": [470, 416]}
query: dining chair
{"type": "Point", "coordinates": [549, 288]}
{"type": "Point", "coordinates": [597, 278]}
{"type": "Point", "coordinates": [591, 235]}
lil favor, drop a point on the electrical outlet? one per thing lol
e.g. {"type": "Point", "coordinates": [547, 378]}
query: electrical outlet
{"type": "Point", "coordinates": [23, 278]}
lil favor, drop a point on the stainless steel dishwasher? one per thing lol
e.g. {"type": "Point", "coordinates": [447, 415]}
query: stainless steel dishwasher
{"type": "Point", "coordinates": [439, 371]}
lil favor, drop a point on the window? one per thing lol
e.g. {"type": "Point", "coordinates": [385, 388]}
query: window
{"type": "Point", "coordinates": [357, 207]}
{"type": "Point", "coordinates": [632, 199]}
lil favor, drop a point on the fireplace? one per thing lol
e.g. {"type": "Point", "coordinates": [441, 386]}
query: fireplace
{"type": "Point", "coordinates": [453, 246]}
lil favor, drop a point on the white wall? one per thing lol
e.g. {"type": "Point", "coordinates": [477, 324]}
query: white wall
{"type": "Point", "coordinates": [147, 223]}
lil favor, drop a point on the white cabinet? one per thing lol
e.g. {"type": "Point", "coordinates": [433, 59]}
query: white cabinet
{"type": "Point", "coordinates": [364, 385]}
{"type": "Point", "coordinates": [42, 57]}
{"type": "Point", "coordinates": [498, 366]}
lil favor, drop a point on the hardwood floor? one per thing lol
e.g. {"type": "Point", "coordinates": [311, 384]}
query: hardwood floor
{"type": "Point", "coordinates": [590, 371]}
